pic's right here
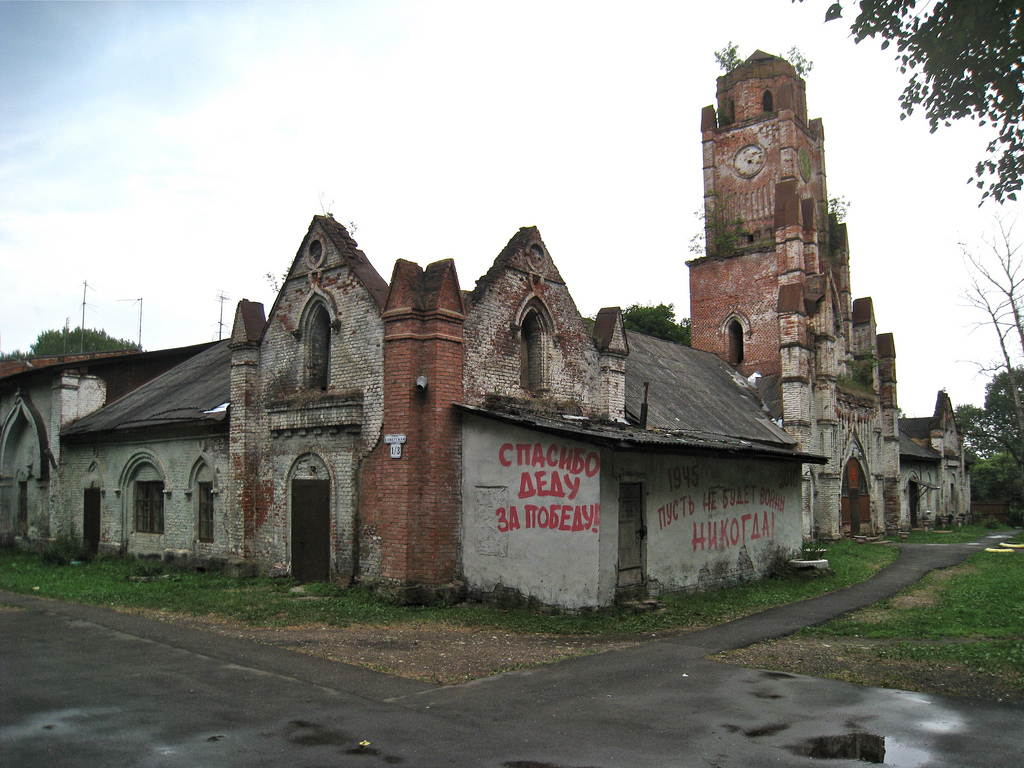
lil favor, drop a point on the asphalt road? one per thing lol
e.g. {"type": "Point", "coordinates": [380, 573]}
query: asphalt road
{"type": "Point", "coordinates": [84, 686]}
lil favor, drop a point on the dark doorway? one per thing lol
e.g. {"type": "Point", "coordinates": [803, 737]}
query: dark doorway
{"type": "Point", "coordinates": [91, 519]}
{"type": "Point", "coordinates": [311, 552]}
{"type": "Point", "coordinates": [856, 503]}
{"type": "Point", "coordinates": [631, 535]}
{"type": "Point", "coordinates": [914, 494]}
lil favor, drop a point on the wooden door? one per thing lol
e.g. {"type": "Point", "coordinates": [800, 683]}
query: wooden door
{"type": "Point", "coordinates": [91, 519]}
{"type": "Point", "coordinates": [631, 535]}
{"type": "Point", "coordinates": [856, 503]}
{"type": "Point", "coordinates": [311, 534]}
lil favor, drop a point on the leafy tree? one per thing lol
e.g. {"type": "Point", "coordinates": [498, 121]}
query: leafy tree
{"type": "Point", "coordinates": [66, 342]}
{"type": "Point", "coordinates": [658, 321]}
{"type": "Point", "coordinates": [993, 434]}
{"type": "Point", "coordinates": [996, 289]}
{"type": "Point", "coordinates": [994, 428]}
{"type": "Point", "coordinates": [965, 59]}
{"type": "Point", "coordinates": [997, 479]}
{"type": "Point", "coordinates": [801, 63]}
{"type": "Point", "coordinates": [728, 58]}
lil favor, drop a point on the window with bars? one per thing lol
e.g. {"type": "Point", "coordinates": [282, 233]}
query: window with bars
{"type": "Point", "coordinates": [149, 506]}
{"type": "Point", "coordinates": [206, 511]}
{"type": "Point", "coordinates": [23, 508]}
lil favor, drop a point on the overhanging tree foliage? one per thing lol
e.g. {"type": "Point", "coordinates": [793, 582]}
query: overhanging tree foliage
{"type": "Point", "coordinates": [658, 321]}
{"type": "Point", "coordinates": [965, 59]}
{"type": "Point", "coordinates": [71, 342]}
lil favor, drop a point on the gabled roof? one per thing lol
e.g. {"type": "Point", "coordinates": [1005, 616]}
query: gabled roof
{"type": "Point", "coordinates": [623, 437]}
{"type": "Point", "coordinates": [525, 252]}
{"type": "Point", "coordinates": [911, 450]}
{"type": "Point", "coordinates": [96, 362]}
{"type": "Point", "coordinates": [195, 392]}
{"type": "Point", "coordinates": [918, 428]}
{"type": "Point", "coordinates": [355, 258]}
{"type": "Point", "coordinates": [695, 393]}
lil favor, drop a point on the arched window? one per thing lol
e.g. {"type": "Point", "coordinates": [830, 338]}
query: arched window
{"type": "Point", "coordinates": [149, 500]}
{"type": "Point", "coordinates": [534, 352]}
{"type": "Point", "coordinates": [735, 342]}
{"type": "Point", "coordinates": [767, 102]}
{"type": "Point", "coordinates": [204, 504]}
{"type": "Point", "coordinates": [319, 347]}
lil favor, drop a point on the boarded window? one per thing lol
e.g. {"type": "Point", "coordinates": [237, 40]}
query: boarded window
{"type": "Point", "coordinates": [149, 507]}
{"type": "Point", "coordinates": [319, 347]}
{"type": "Point", "coordinates": [534, 343]}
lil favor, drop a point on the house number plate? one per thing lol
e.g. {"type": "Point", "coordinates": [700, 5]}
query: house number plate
{"type": "Point", "coordinates": [395, 441]}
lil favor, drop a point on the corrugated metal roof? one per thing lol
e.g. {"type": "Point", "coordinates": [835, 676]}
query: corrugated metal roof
{"type": "Point", "coordinates": [919, 427]}
{"type": "Point", "coordinates": [912, 450]}
{"type": "Point", "coordinates": [695, 392]}
{"type": "Point", "coordinates": [624, 437]}
{"type": "Point", "coordinates": [191, 393]}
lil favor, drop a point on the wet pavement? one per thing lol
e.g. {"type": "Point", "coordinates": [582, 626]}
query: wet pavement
{"type": "Point", "coordinates": [83, 686]}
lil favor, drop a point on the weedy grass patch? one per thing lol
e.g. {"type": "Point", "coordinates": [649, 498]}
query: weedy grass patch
{"type": "Point", "coordinates": [955, 535]}
{"type": "Point", "coordinates": [129, 583]}
{"type": "Point", "coordinates": [972, 614]}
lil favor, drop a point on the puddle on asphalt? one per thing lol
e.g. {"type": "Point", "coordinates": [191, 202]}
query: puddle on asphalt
{"type": "Point", "coordinates": [866, 747]}
{"type": "Point", "coordinates": [856, 746]}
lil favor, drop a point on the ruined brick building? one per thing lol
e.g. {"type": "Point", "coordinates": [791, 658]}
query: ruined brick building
{"type": "Point", "coordinates": [433, 441]}
{"type": "Point", "coordinates": [772, 295]}
{"type": "Point", "coordinates": [424, 439]}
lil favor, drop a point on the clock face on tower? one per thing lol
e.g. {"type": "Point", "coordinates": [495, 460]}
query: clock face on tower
{"type": "Point", "coordinates": [749, 161]}
{"type": "Point", "coordinates": [803, 159]}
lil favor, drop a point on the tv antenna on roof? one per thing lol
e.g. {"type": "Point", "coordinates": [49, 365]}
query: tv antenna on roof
{"type": "Point", "coordinates": [139, 302]}
{"type": "Point", "coordinates": [85, 287]}
{"type": "Point", "coordinates": [221, 297]}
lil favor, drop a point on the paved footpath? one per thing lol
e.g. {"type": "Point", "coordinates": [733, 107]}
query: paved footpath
{"type": "Point", "coordinates": [84, 686]}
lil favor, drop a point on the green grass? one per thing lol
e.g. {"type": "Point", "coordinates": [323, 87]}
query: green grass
{"type": "Point", "coordinates": [115, 582]}
{"type": "Point", "coordinates": [955, 535]}
{"type": "Point", "coordinates": [974, 617]}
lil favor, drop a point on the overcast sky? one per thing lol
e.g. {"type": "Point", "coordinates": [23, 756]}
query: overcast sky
{"type": "Point", "coordinates": [175, 152]}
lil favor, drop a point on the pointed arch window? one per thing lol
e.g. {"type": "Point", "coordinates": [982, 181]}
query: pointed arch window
{"type": "Point", "coordinates": [318, 349]}
{"type": "Point", "coordinates": [534, 342]}
{"type": "Point", "coordinates": [735, 331]}
{"type": "Point", "coordinates": [767, 102]}
{"type": "Point", "coordinates": [204, 504]}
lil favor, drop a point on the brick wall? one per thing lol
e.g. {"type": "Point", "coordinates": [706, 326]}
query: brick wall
{"type": "Point", "coordinates": [522, 276]}
{"type": "Point", "coordinates": [290, 421]}
{"type": "Point", "coordinates": [409, 506]}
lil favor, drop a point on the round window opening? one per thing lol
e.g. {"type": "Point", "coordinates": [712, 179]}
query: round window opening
{"type": "Point", "coordinates": [315, 253]}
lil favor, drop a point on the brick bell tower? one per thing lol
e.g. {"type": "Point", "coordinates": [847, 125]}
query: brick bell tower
{"type": "Point", "coordinates": [764, 201]}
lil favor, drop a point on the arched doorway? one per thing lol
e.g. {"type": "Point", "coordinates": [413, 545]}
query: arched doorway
{"type": "Point", "coordinates": [856, 503]}
{"type": "Point", "coordinates": [914, 497]}
{"type": "Point", "coordinates": [310, 520]}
